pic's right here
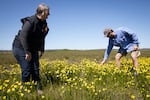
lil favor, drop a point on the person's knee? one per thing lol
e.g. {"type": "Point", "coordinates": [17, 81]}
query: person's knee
{"type": "Point", "coordinates": [134, 58]}
{"type": "Point", "coordinates": [118, 56]}
{"type": "Point", "coordinates": [133, 55]}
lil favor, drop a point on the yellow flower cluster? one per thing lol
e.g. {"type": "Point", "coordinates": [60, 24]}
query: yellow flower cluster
{"type": "Point", "coordinates": [81, 80]}
{"type": "Point", "coordinates": [96, 79]}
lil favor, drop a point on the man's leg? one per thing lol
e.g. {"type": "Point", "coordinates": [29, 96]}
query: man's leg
{"type": "Point", "coordinates": [134, 58]}
{"type": "Point", "coordinates": [117, 58]}
{"type": "Point", "coordinates": [35, 68]}
{"type": "Point", "coordinates": [24, 64]}
{"type": "Point", "coordinates": [35, 72]}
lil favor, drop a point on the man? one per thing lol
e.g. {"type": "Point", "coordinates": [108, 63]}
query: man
{"type": "Point", "coordinates": [29, 41]}
{"type": "Point", "coordinates": [126, 40]}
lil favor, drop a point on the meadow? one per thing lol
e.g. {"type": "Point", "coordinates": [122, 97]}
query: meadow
{"type": "Point", "coordinates": [77, 75]}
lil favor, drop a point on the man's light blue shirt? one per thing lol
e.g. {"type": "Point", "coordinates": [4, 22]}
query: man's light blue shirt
{"type": "Point", "coordinates": [124, 38]}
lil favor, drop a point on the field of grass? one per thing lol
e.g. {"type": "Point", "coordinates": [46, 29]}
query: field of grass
{"type": "Point", "coordinates": [6, 57]}
{"type": "Point", "coordinates": [77, 75]}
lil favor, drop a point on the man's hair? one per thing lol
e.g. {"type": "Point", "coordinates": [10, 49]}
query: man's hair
{"type": "Point", "coordinates": [41, 8]}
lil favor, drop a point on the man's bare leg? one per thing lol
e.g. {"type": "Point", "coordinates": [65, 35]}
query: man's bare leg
{"type": "Point", "coordinates": [134, 58]}
{"type": "Point", "coordinates": [117, 58]}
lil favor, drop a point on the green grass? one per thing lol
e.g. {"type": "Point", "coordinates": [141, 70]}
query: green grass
{"type": "Point", "coordinates": [76, 75]}
{"type": "Point", "coordinates": [6, 57]}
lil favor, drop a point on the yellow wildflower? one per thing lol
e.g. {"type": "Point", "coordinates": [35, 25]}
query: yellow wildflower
{"type": "Point", "coordinates": [132, 97]}
{"type": "Point", "coordinates": [4, 97]}
{"type": "Point", "coordinates": [8, 90]}
{"type": "Point", "coordinates": [21, 94]}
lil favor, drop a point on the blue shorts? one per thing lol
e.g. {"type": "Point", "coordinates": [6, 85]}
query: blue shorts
{"type": "Point", "coordinates": [129, 48]}
{"type": "Point", "coordinates": [122, 51]}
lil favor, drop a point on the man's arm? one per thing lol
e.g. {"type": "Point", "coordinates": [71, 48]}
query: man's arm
{"type": "Point", "coordinates": [107, 51]}
{"type": "Point", "coordinates": [23, 38]}
{"type": "Point", "coordinates": [45, 32]}
{"type": "Point", "coordinates": [24, 35]}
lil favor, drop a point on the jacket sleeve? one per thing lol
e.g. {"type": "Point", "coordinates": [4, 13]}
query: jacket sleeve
{"type": "Point", "coordinates": [43, 39]}
{"type": "Point", "coordinates": [24, 35]}
{"type": "Point", "coordinates": [42, 49]}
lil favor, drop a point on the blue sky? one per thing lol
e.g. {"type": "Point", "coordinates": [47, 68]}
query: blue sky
{"type": "Point", "coordinates": [77, 24]}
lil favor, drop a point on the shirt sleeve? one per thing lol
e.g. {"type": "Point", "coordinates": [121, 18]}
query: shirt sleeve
{"type": "Point", "coordinates": [134, 38]}
{"type": "Point", "coordinates": [24, 35]}
{"type": "Point", "coordinates": [108, 50]}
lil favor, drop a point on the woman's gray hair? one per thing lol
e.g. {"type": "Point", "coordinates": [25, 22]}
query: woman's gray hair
{"type": "Point", "coordinates": [41, 8]}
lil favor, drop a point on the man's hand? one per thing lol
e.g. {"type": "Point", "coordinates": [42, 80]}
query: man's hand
{"type": "Point", "coordinates": [103, 62]}
{"type": "Point", "coordinates": [28, 56]}
{"type": "Point", "coordinates": [135, 47]}
{"type": "Point", "coordinates": [41, 53]}
{"type": "Point", "coordinates": [45, 30]}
